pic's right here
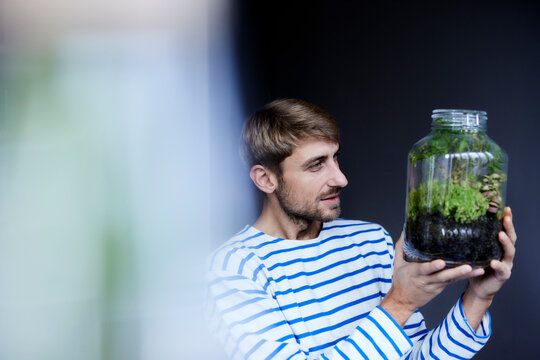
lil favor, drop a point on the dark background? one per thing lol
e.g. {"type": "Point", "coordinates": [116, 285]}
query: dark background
{"type": "Point", "coordinates": [380, 68]}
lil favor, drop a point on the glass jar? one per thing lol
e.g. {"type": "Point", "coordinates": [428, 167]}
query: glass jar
{"type": "Point", "coordinates": [456, 192]}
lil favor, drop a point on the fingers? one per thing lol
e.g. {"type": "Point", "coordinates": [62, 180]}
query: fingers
{"type": "Point", "coordinates": [501, 269]}
{"type": "Point", "coordinates": [399, 257]}
{"type": "Point", "coordinates": [508, 238]}
{"type": "Point", "coordinates": [508, 247]}
{"type": "Point", "coordinates": [456, 274]}
{"type": "Point", "coordinates": [399, 243]}
{"type": "Point", "coordinates": [431, 267]}
{"type": "Point", "coordinates": [509, 224]}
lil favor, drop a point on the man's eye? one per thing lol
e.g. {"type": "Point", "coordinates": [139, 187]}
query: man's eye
{"type": "Point", "coordinates": [315, 166]}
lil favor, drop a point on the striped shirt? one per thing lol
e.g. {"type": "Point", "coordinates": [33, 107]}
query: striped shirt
{"type": "Point", "coordinates": [272, 298]}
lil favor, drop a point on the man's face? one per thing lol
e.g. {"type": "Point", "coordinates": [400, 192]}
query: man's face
{"type": "Point", "coordinates": [311, 181]}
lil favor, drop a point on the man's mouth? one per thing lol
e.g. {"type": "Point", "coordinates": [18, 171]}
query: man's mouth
{"type": "Point", "coordinates": [331, 198]}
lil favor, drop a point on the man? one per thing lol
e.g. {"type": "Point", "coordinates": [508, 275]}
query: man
{"type": "Point", "coordinates": [303, 284]}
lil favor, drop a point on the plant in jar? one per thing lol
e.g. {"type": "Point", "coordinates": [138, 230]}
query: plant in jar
{"type": "Point", "coordinates": [455, 197]}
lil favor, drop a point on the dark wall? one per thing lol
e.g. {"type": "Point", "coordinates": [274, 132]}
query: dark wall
{"type": "Point", "coordinates": [380, 68]}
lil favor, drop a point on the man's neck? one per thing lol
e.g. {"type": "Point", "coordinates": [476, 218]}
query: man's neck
{"type": "Point", "coordinates": [277, 223]}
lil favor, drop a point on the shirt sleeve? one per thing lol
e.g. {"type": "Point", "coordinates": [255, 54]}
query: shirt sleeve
{"type": "Point", "coordinates": [251, 325]}
{"type": "Point", "coordinates": [452, 338]}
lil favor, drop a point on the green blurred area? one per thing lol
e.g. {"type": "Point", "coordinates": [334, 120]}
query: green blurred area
{"type": "Point", "coordinates": [102, 238]}
{"type": "Point", "coordinates": [66, 250]}
{"type": "Point", "coordinates": [115, 150]}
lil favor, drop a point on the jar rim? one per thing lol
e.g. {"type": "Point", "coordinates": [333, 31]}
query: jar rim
{"type": "Point", "coordinates": [470, 120]}
{"type": "Point", "coordinates": [459, 111]}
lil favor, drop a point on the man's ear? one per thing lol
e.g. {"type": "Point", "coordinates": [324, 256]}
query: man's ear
{"type": "Point", "coordinates": [263, 178]}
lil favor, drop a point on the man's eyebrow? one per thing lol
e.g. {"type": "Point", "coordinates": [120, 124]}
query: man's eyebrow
{"type": "Point", "coordinates": [314, 159]}
{"type": "Point", "coordinates": [320, 158]}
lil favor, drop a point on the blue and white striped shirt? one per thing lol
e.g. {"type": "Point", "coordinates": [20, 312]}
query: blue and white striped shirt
{"type": "Point", "coordinates": [271, 298]}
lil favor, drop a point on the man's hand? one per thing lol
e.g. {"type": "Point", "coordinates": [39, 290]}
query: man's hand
{"type": "Point", "coordinates": [415, 284]}
{"type": "Point", "coordinates": [481, 290]}
{"type": "Point", "coordinates": [486, 286]}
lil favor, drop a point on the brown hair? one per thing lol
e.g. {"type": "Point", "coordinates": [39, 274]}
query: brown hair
{"type": "Point", "coordinates": [271, 134]}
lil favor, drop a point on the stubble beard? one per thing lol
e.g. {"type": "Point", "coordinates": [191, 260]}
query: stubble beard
{"type": "Point", "coordinates": [306, 213]}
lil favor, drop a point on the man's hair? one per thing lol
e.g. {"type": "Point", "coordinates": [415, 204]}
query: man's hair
{"type": "Point", "coordinates": [271, 134]}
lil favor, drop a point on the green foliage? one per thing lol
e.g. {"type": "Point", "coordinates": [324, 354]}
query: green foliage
{"type": "Point", "coordinates": [465, 187]}
{"type": "Point", "coordinates": [464, 203]}
{"type": "Point", "coordinates": [444, 141]}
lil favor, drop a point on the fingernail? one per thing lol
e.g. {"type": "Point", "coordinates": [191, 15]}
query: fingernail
{"type": "Point", "coordinates": [439, 264]}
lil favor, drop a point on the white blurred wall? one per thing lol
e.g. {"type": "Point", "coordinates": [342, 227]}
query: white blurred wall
{"type": "Point", "coordinates": [113, 184]}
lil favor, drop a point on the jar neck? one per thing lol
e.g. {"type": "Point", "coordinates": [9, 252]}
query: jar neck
{"type": "Point", "coordinates": [459, 120]}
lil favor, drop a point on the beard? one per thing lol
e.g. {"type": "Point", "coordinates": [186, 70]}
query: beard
{"type": "Point", "coordinates": [304, 211]}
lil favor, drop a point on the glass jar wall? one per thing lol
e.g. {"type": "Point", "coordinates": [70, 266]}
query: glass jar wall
{"type": "Point", "coordinates": [455, 192]}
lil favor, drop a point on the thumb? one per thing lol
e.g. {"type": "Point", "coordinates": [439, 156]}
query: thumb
{"type": "Point", "coordinates": [398, 255]}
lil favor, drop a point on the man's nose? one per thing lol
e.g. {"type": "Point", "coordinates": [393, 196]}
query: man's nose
{"type": "Point", "coordinates": [338, 179]}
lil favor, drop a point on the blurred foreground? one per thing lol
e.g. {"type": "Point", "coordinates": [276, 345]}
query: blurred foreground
{"type": "Point", "coordinates": [107, 207]}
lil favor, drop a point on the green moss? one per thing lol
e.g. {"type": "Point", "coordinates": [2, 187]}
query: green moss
{"type": "Point", "coordinates": [464, 203]}
{"type": "Point", "coordinates": [462, 190]}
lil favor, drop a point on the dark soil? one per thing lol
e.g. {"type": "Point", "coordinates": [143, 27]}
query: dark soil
{"type": "Point", "coordinates": [436, 237]}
